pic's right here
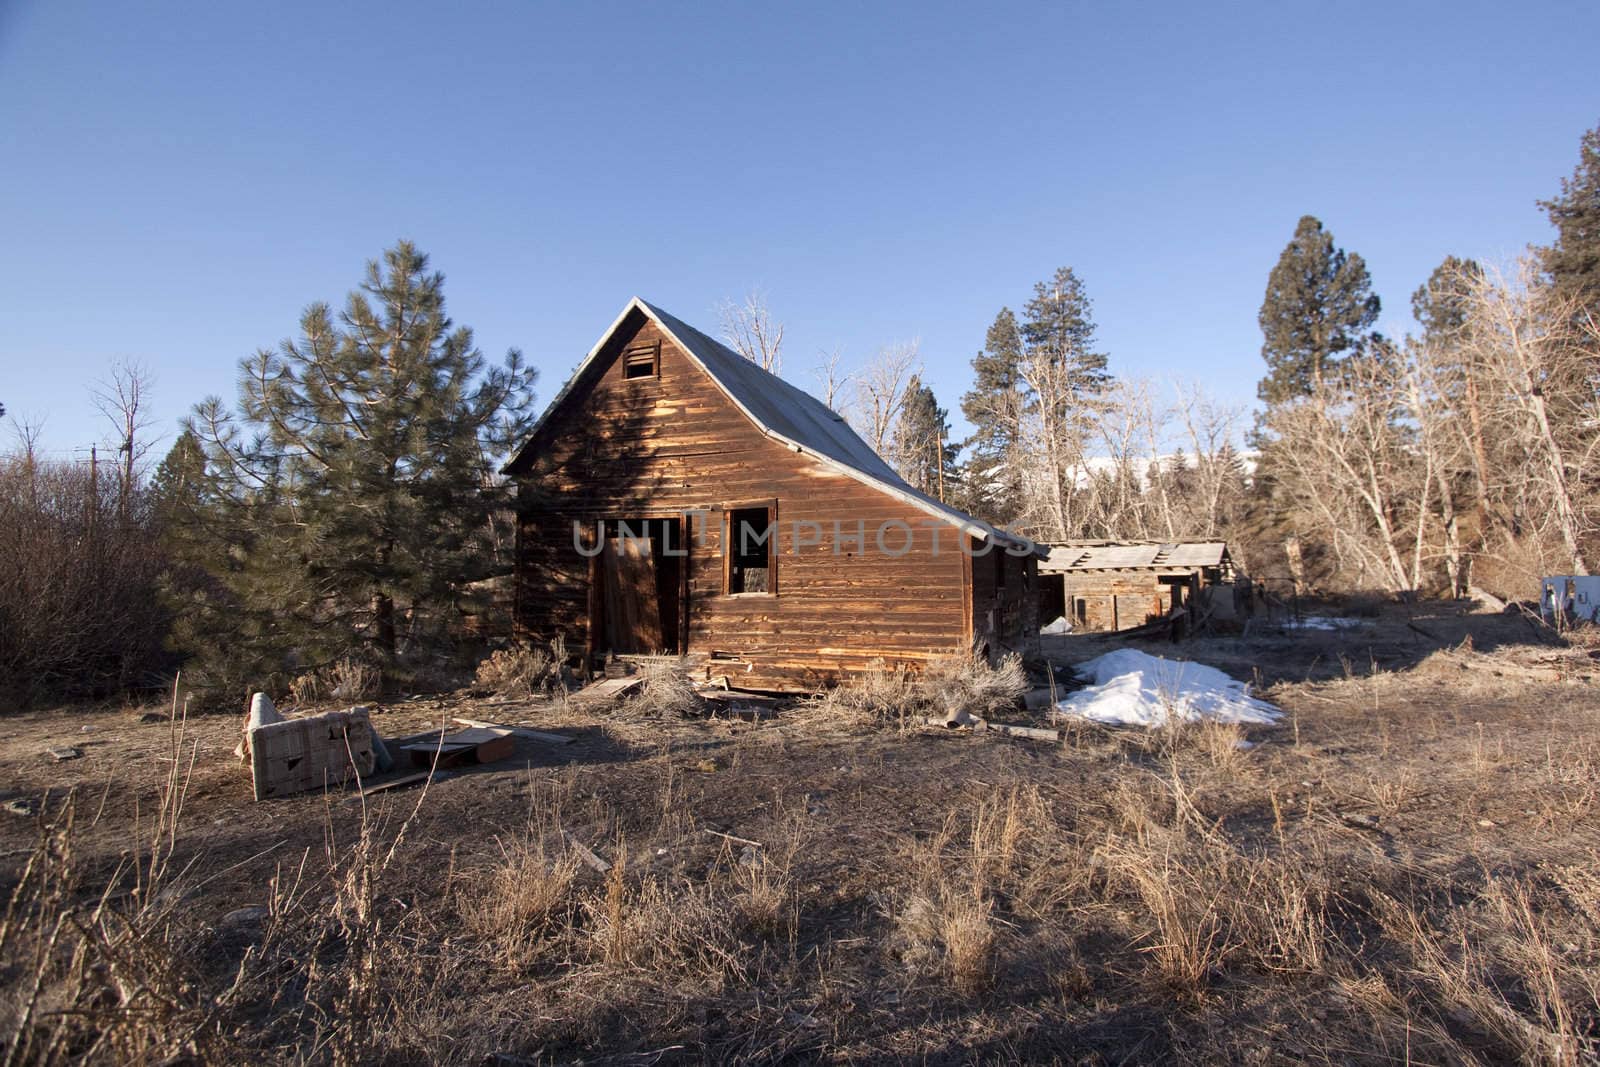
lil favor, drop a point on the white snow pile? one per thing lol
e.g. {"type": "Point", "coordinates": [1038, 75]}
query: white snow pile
{"type": "Point", "coordinates": [1060, 626]}
{"type": "Point", "coordinates": [1320, 622]}
{"type": "Point", "coordinates": [1132, 688]}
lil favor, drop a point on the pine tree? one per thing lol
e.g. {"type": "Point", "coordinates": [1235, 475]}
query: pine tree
{"type": "Point", "coordinates": [1057, 323]}
{"type": "Point", "coordinates": [1065, 380]}
{"type": "Point", "coordinates": [1319, 306]}
{"type": "Point", "coordinates": [352, 490]}
{"type": "Point", "coordinates": [923, 454]}
{"type": "Point", "coordinates": [994, 407]}
{"type": "Point", "coordinates": [1440, 304]}
{"type": "Point", "coordinates": [1573, 261]}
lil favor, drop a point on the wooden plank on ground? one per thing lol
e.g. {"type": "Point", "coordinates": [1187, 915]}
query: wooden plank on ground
{"type": "Point", "coordinates": [585, 854]}
{"type": "Point", "coordinates": [517, 731]}
{"type": "Point", "coordinates": [1033, 733]}
{"type": "Point", "coordinates": [401, 782]}
{"type": "Point", "coordinates": [607, 690]}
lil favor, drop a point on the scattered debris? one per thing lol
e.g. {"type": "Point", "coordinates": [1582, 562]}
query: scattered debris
{"type": "Point", "coordinates": [736, 840]}
{"type": "Point", "coordinates": [1485, 601]}
{"type": "Point", "coordinates": [750, 707]}
{"type": "Point", "coordinates": [1361, 821]}
{"type": "Point", "coordinates": [1033, 733]}
{"type": "Point", "coordinates": [311, 752]}
{"type": "Point", "coordinates": [23, 806]}
{"type": "Point", "coordinates": [607, 690]}
{"type": "Point", "coordinates": [585, 854]}
{"type": "Point", "coordinates": [61, 755]}
{"type": "Point", "coordinates": [476, 745]}
{"type": "Point", "coordinates": [705, 766]}
{"type": "Point", "coordinates": [246, 916]}
{"type": "Point", "coordinates": [1132, 688]}
{"type": "Point", "coordinates": [405, 780]}
{"type": "Point", "coordinates": [517, 731]}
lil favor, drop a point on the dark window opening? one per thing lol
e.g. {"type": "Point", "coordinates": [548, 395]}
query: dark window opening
{"type": "Point", "coordinates": [642, 361]}
{"type": "Point", "coordinates": [999, 565]}
{"type": "Point", "coordinates": [752, 548]}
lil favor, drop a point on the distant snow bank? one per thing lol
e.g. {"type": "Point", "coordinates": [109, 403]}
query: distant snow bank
{"type": "Point", "coordinates": [1132, 688]}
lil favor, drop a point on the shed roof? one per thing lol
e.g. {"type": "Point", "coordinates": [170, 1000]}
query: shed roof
{"type": "Point", "coordinates": [1133, 555]}
{"type": "Point", "coordinates": [780, 411]}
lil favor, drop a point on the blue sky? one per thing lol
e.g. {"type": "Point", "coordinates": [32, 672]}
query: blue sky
{"type": "Point", "coordinates": [178, 180]}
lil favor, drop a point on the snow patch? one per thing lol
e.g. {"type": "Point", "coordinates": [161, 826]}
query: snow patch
{"type": "Point", "coordinates": [1320, 622]}
{"type": "Point", "coordinates": [1133, 688]}
{"type": "Point", "coordinates": [1060, 626]}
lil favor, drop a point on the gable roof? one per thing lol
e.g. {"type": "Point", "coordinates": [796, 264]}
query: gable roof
{"type": "Point", "coordinates": [782, 412]}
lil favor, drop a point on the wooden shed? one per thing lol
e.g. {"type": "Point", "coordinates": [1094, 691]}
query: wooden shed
{"type": "Point", "coordinates": [677, 499]}
{"type": "Point", "coordinates": [1120, 585]}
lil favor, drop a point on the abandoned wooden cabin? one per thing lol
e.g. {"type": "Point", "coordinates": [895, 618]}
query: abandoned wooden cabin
{"type": "Point", "coordinates": [678, 499]}
{"type": "Point", "coordinates": [1120, 585]}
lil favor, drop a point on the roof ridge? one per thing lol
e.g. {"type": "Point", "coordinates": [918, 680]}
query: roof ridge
{"type": "Point", "coordinates": [794, 417]}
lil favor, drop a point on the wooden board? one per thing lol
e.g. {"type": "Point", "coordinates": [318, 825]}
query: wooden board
{"type": "Point", "coordinates": [607, 690]}
{"type": "Point", "coordinates": [518, 731]}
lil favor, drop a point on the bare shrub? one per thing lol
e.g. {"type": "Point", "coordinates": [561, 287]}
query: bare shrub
{"type": "Point", "coordinates": [970, 683]}
{"type": "Point", "coordinates": [877, 695]}
{"type": "Point", "coordinates": [520, 671]}
{"type": "Point", "coordinates": [947, 686]}
{"type": "Point", "coordinates": [306, 689]}
{"type": "Point", "coordinates": [666, 691]}
{"type": "Point", "coordinates": [80, 577]}
{"type": "Point", "coordinates": [352, 679]}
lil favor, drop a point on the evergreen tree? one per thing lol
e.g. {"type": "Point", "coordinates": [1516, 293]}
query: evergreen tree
{"type": "Point", "coordinates": [994, 407]}
{"type": "Point", "coordinates": [1573, 261]}
{"type": "Point", "coordinates": [1066, 379]}
{"type": "Point", "coordinates": [923, 454]}
{"type": "Point", "coordinates": [352, 491]}
{"type": "Point", "coordinates": [1058, 327]}
{"type": "Point", "coordinates": [1440, 304]}
{"type": "Point", "coordinates": [177, 489]}
{"type": "Point", "coordinates": [1319, 306]}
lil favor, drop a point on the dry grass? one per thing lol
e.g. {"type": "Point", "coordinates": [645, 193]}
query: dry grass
{"type": "Point", "coordinates": [1125, 897]}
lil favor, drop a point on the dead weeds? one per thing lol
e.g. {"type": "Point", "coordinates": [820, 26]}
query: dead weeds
{"type": "Point", "coordinates": [1406, 870]}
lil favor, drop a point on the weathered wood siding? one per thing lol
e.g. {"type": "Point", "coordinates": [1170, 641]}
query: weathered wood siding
{"type": "Point", "coordinates": [1005, 600]}
{"type": "Point", "coordinates": [656, 447]}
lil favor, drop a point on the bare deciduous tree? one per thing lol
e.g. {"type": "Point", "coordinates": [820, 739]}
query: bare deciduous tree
{"type": "Point", "coordinates": [832, 377]}
{"type": "Point", "coordinates": [750, 330]}
{"type": "Point", "coordinates": [121, 397]}
{"type": "Point", "coordinates": [880, 392]}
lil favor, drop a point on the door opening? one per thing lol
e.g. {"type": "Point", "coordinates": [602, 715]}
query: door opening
{"type": "Point", "coordinates": [641, 599]}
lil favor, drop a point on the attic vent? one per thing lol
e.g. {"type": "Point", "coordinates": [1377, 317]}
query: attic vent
{"type": "Point", "coordinates": [642, 361]}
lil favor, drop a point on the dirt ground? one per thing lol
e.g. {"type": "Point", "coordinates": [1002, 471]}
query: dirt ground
{"type": "Point", "coordinates": [1406, 868]}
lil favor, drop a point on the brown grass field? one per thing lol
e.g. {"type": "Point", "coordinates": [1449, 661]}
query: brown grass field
{"type": "Point", "coordinates": [1407, 869]}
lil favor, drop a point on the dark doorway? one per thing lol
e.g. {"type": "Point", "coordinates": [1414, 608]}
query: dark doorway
{"type": "Point", "coordinates": [1052, 598]}
{"type": "Point", "coordinates": [640, 579]}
